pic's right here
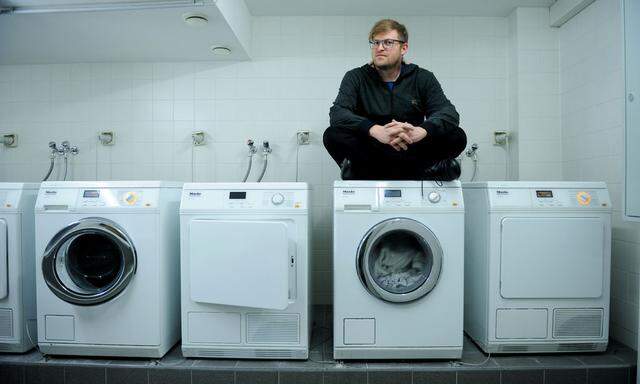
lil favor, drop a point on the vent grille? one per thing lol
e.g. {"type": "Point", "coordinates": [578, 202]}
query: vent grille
{"type": "Point", "coordinates": [280, 328]}
{"type": "Point", "coordinates": [515, 348]}
{"type": "Point", "coordinates": [252, 353]}
{"type": "Point", "coordinates": [581, 322]}
{"type": "Point", "coordinates": [6, 323]}
{"type": "Point", "coordinates": [568, 347]}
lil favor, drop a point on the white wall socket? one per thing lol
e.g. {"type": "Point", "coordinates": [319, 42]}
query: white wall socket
{"type": "Point", "coordinates": [198, 138]}
{"type": "Point", "coordinates": [304, 137]}
{"type": "Point", "coordinates": [107, 137]}
{"type": "Point", "coordinates": [500, 137]}
{"type": "Point", "coordinates": [10, 140]}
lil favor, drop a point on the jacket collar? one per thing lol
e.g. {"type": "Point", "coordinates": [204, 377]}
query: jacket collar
{"type": "Point", "coordinates": [405, 71]}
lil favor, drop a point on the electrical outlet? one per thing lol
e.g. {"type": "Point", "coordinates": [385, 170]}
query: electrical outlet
{"type": "Point", "coordinates": [500, 137]}
{"type": "Point", "coordinates": [10, 140]}
{"type": "Point", "coordinates": [107, 137]}
{"type": "Point", "coordinates": [304, 137]}
{"type": "Point", "coordinates": [198, 138]}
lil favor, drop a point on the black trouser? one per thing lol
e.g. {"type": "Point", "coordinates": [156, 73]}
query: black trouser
{"type": "Point", "coordinates": [372, 160]}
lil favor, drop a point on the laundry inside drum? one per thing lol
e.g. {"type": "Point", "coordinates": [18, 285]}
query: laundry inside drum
{"type": "Point", "coordinates": [400, 262]}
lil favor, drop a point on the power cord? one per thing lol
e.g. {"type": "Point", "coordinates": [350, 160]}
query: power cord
{"type": "Point", "coordinates": [460, 363]}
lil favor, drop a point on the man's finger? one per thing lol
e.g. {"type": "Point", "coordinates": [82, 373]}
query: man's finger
{"type": "Point", "coordinates": [394, 131]}
{"type": "Point", "coordinates": [398, 142]}
{"type": "Point", "coordinates": [405, 137]}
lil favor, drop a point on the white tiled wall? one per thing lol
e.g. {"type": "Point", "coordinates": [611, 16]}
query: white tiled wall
{"type": "Point", "coordinates": [288, 86]}
{"type": "Point", "coordinates": [592, 106]}
{"type": "Point", "coordinates": [534, 96]}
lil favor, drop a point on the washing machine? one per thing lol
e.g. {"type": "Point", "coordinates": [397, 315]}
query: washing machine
{"type": "Point", "coordinates": [107, 268]}
{"type": "Point", "coordinates": [245, 270]}
{"type": "Point", "coordinates": [537, 266]}
{"type": "Point", "coordinates": [398, 270]}
{"type": "Point", "coordinates": [17, 277]}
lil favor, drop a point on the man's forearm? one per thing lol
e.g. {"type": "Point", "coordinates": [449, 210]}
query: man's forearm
{"type": "Point", "coordinates": [345, 118]}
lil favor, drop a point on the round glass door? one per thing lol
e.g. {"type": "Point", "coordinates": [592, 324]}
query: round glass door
{"type": "Point", "coordinates": [399, 260]}
{"type": "Point", "coordinates": [89, 262]}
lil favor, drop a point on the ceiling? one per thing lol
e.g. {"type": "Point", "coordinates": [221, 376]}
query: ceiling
{"type": "Point", "coordinates": [138, 35]}
{"type": "Point", "coordinates": [54, 3]}
{"type": "Point", "coordinates": [499, 8]}
{"type": "Point", "coordinates": [146, 32]}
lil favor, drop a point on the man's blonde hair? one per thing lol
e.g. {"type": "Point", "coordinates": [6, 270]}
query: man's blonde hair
{"type": "Point", "coordinates": [386, 25]}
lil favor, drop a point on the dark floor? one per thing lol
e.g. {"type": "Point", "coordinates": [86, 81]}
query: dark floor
{"type": "Point", "coordinates": [616, 365]}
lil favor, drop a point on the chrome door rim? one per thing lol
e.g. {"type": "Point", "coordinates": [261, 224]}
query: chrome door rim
{"type": "Point", "coordinates": [370, 240]}
{"type": "Point", "coordinates": [90, 225]}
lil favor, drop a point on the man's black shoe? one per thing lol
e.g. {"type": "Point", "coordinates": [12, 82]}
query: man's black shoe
{"type": "Point", "coordinates": [443, 170]}
{"type": "Point", "coordinates": [345, 170]}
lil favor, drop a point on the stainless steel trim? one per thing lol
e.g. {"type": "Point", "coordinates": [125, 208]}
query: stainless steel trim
{"type": "Point", "coordinates": [89, 225]}
{"type": "Point", "coordinates": [371, 238]}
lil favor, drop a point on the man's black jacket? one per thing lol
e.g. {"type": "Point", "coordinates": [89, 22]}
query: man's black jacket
{"type": "Point", "coordinates": [417, 98]}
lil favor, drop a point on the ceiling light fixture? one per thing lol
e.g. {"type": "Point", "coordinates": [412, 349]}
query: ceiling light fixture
{"type": "Point", "coordinates": [195, 19]}
{"type": "Point", "coordinates": [218, 50]}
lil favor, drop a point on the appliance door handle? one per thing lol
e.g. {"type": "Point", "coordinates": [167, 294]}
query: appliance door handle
{"type": "Point", "coordinates": [293, 271]}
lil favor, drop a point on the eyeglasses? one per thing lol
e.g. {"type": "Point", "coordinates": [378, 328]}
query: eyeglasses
{"type": "Point", "coordinates": [387, 43]}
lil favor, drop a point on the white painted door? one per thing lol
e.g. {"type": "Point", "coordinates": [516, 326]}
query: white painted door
{"type": "Point", "coordinates": [240, 263]}
{"type": "Point", "coordinates": [632, 107]}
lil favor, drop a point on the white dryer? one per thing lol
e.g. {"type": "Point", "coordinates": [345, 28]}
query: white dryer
{"type": "Point", "coordinates": [537, 266]}
{"type": "Point", "coordinates": [245, 270]}
{"type": "Point", "coordinates": [17, 276]}
{"type": "Point", "coordinates": [397, 270]}
{"type": "Point", "coordinates": [107, 268]}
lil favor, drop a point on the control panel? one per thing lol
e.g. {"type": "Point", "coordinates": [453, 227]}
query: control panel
{"type": "Point", "coordinates": [376, 199]}
{"type": "Point", "coordinates": [550, 198]}
{"type": "Point", "coordinates": [244, 199]}
{"type": "Point", "coordinates": [96, 198]}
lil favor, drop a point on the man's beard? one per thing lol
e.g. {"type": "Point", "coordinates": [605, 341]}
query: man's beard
{"type": "Point", "coordinates": [388, 65]}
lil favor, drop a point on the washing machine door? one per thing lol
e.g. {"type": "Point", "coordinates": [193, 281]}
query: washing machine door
{"type": "Point", "coordinates": [89, 262]}
{"type": "Point", "coordinates": [399, 260]}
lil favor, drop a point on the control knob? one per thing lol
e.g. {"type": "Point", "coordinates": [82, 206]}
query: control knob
{"type": "Point", "coordinates": [277, 199]}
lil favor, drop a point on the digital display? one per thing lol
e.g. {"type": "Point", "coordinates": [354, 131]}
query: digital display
{"type": "Point", "coordinates": [544, 194]}
{"type": "Point", "coordinates": [392, 193]}
{"type": "Point", "coordinates": [237, 195]}
{"type": "Point", "coordinates": [91, 193]}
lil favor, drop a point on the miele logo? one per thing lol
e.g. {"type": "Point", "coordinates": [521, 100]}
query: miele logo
{"type": "Point", "coordinates": [499, 192]}
{"type": "Point", "coordinates": [195, 194]}
{"type": "Point", "coordinates": [348, 192]}
{"type": "Point", "coordinates": [50, 192]}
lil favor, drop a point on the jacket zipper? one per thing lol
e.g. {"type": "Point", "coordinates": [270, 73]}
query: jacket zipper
{"type": "Point", "coordinates": [391, 92]}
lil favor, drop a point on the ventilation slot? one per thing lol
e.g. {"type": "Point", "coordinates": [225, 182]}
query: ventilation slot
{"type": "Point", "coordinates": [6, 323]}
{"type": "Point", "coordinates": [274, 354]}
{"type": "Point", "coordinates": [273, 329]}
{"type": "Point", "coordinates": [570, 323]}
{"type": "Point", "coordinates": [515, 348]}
{"type": "Point", "coordinates": [216, 353]}
{"type": "Point", "coordinates": [252, 354]}
{"type": "Point", "coordinates": [576, 347]}
{"type": "Point", "coordinates": [552, 347]}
